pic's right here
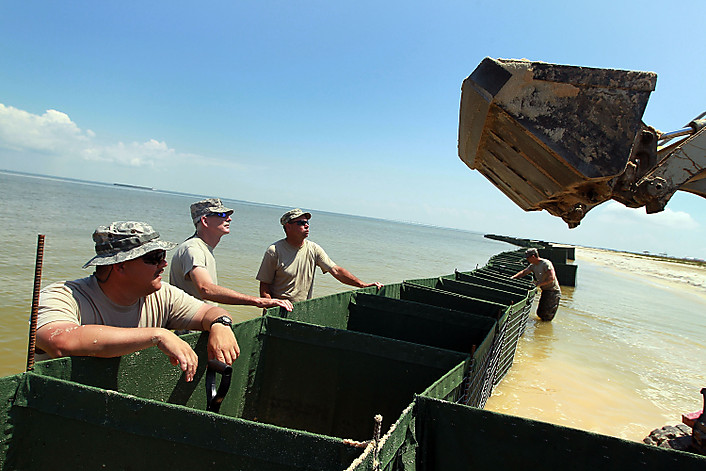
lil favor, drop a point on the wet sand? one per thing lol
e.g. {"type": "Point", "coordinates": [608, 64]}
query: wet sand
{"type": "Point", "coordinates": [680, 275]}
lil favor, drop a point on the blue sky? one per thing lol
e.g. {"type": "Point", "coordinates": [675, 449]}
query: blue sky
{"type": "Point", "coordinates": [349, 107]}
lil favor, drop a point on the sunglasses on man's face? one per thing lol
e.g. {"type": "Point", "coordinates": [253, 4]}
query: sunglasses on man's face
{"type": "Point", "coordinates": [155, 257]}
{"type": "Point", "coordinates": [301, 222]}
{"type": "Point", "coordinates": [220, 215]}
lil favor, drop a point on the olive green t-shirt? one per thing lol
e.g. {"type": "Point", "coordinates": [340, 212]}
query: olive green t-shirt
{"type": "Point", "coordinates": [290, 271]}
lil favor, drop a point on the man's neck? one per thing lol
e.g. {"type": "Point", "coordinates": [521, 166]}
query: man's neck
{"type": "Point", "coordinates": [211, 239]}
{"type": "Point", "coordinates": [117, 295]}
{"type": "Point", "coordinates": [295, 242]}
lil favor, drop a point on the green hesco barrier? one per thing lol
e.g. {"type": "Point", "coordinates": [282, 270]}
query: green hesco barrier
{"type": "Point", "coordinates": [491, 282]}
{"type": "Point", "coordinates": [55, 424]}
{"type": "Point", "coordinates": [435, 297]}
{"type": "Point", "coordinates": [331, 310]}
{"type": "Point", "coordinates": [481, 291]}
{"type": "Point", "coordinates": [148, 373]}
{"type": "Point", "coordinates": [334, 382]}
{"type": "Point", "coordinates": [418, 323]}
{"type": "Point", "coordinates": [454, 437]}
{"type": "Point", "coordinates": [496, 276]}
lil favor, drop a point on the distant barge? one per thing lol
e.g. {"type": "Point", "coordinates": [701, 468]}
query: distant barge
{"type": "Point", "coordinates": [138, 187]}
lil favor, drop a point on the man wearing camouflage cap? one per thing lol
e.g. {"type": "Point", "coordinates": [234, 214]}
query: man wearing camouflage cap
{"type": "Point", "coordinates": [288, 266]}
{"type": "Point", "coordinates": [545, 279]}
{"type": "Point", "coordinates": [124, 307]}
{"type": "Point", "coordinates": [193, 267]}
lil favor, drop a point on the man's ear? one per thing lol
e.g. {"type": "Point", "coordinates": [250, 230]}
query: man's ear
{"type": "Point", "coordinates": [119, 267]}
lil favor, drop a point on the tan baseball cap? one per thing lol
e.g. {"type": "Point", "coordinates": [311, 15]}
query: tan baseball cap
{"type": "Point", "coordinates": [293, 214]}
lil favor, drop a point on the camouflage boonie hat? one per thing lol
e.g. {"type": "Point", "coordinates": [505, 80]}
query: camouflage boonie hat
{"type": "Point", "coordinates": [530, 252]}
{"type": "Point", "coordinates": [208, 206]}
{"type": "Point", "coordinates": [293, 214]}
{"type": "Point", "coordinates": [125, 240]}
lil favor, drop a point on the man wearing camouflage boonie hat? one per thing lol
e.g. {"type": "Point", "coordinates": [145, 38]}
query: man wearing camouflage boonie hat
{"type": "Point", "coordinates": [545, 279]}
{"type": "Point", "coordinates": [193, 267]}
{"type": "Point", "coordinates": [124, 307]}
{"type": "Point", "coordinates": [289, 265]}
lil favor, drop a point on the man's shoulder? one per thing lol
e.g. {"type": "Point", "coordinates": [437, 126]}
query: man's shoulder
{"type": "Point", "coordinates": [190, 243]}
{"type": "Point", "coordinates": [70, 285]}
{"type": "Point", "coordinates": [277, 246]}
{"type": "Point", "coordinates": [546, 263]}
{"type": "Point", "coordinates": [311, 245]}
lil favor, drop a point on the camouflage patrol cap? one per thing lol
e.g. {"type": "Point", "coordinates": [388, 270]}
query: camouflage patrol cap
{"type": "Point", "coordinates": [125, 240]}
{"type": "Point", "coordinates": [208, 206]}
{"type": "Point", "coordinates": [293, 214]}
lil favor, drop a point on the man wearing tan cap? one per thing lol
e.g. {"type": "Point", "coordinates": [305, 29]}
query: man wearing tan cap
{"type": "Point", "coordinates": [124, 307]}
{"type": "Point", "coordinates": [288, 266]}
{"type": "Point", "coordinates": [193, 267]}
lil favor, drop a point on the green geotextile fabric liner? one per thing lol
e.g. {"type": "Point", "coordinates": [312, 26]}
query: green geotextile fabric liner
{"type": "Point", "coordinates": [457, 437]}
{"type": "Point", "coordinates": [493, 282]}
{"type": "Point", "coordinates": [419, 323]}
{"type": "Point", "coordinates": [96, 429]}
{"type": "Point", "coordinates": [427, 295]}
{"type": "Point", "coordinates": [334, 382]}
{"type": "Point", "coordinates": [148, 373]}
{"type": "Point", "coordinates": [482, 291]}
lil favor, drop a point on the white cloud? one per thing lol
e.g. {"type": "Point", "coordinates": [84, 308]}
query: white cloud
{"type": "Point", "coordinates": [52, 132]}
{"type": "Point", "coordinates": [55, 134]}
{"type": "Point", "coordinates": [616, 213]}
{"type": "Point", "coordinates": [134, 154]}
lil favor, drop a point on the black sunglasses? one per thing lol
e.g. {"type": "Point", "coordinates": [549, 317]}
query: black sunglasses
{"type": "Point", "coordinates": [155, 257]}
{"type": "Point", "coordinates": [301, 222]}
{"type": "Point", "coordinates": [220, 215]}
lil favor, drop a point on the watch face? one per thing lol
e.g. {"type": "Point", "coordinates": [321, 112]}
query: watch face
{"type": "Point", "coordinates": [225, 320]}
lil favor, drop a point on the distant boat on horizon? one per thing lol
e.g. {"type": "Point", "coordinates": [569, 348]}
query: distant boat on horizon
{"type": "Point", "coordinates": [139, 187]}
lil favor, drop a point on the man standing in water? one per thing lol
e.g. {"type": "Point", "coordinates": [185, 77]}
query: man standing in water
{"type": "Point", "coordinates": [288, 266]}
{"type": "Point", "coordinates": [194, 266]}
{"type": "Point", "coordinates": [545, 279]}
{"type": "Point", "coordinates": [124, 307]}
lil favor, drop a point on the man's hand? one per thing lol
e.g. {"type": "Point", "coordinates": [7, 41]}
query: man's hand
{"type": "Point", "coordinates": [179, 352]}
{"type": "Point", "coordinates": [377, 284]}
{"type": "Point", "coordinates": [222, 344]}
{"type": "Point", "coordinates": [270, 302]}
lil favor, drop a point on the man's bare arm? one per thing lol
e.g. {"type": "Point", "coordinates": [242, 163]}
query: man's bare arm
{"type": "Point", "coordinates": [521, 273]}
{"type": "Point", "coordinates": [348, 278]}
{"type": "Point", "coordinates": [220, 294]}
{"type": "Point", "coordinates": [60, 339]}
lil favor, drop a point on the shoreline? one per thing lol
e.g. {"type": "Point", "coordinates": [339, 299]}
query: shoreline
{"type": "Point", "coordinates": [687, 275]}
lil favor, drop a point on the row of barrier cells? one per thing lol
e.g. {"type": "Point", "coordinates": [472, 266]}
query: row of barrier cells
{"type": "Point", "coordinates": [423, 354]}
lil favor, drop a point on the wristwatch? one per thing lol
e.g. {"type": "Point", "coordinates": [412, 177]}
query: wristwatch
{"type": "Point", "coordinates": [225, 320]}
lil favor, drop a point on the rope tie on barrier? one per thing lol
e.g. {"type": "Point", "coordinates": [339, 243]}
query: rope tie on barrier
{"type": "Point", "coordinates": [372, 444]}
{"type": "Point", "coordinates": [376, 438]}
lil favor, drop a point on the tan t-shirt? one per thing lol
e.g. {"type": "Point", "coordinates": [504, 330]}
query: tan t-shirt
{"type": "Point", "coordinates": [192, 253]}
{"type": "Point", "coordinates": [83, 302]}
{"type": "Point", "coordinates": [290, 271]}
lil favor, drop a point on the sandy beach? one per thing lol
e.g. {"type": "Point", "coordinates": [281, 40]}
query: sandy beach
{"type": "Point", "coordinates": [684, 276]}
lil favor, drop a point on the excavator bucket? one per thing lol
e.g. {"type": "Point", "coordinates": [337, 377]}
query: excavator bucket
{"type": "Point", "coordinates": [551, 136]}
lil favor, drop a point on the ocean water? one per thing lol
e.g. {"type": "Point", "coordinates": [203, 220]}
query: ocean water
{"type": "Point", "coordinates": [622, 357]}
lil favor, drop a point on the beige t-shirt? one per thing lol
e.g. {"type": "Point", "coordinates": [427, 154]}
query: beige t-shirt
{"type": "Point", "coordinates": [192, 253]}
{"type": "Point", "coordinates": [83, 302]}
{"type": "Point", "coordinates": [290, 271]}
